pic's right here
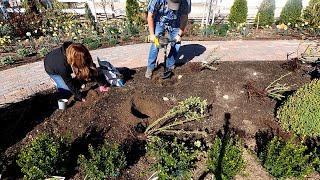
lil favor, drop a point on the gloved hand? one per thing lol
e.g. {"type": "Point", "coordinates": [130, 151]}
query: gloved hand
{"type": "Point", "coordinates": [177, 39]}
{"type": "Point", "coordinates": [103, 88]}
{"type": "Point", "coordinates": [151, 38]}
{"type": "Point", "coordinates": [83, 100]}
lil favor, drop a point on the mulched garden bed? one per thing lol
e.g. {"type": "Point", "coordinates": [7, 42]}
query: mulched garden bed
{"type": "Point", "coordinates": [115, 114]}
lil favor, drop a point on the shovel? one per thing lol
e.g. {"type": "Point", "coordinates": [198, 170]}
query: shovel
{"type": "Point", "coordinates": [163, 43]}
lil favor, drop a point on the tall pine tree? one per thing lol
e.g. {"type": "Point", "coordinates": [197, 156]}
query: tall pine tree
{"type": "Point", "coordinates": [265, 14]}
{"type": "Point", "coordinates": [291, 12]}
{"type": "Point", "coordinates": [238, 12]}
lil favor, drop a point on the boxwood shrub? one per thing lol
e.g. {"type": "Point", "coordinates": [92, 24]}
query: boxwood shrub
{"type": "Point", "coordinates": [44, 156]}
{"type": "Point", "coordinates": [300, 113]}
{"type": "Point", "coordinates": [287, 159]}
{"type": "Point", "coordinates": [225, 157]}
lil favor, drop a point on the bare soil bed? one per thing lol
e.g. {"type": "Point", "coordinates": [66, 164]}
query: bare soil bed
{"type": "Point", "coordinates": [115, 114]}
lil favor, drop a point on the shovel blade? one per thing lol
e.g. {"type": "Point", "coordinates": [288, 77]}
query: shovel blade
{"type": "Point", "coordinates": [166, 74]}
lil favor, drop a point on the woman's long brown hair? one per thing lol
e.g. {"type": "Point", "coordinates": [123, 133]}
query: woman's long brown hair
{"type": "Point", "coordinates": [78, 56]}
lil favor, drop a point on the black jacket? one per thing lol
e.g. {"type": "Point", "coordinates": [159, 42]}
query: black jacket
{"type": "Point", "coordinates": [56, 63]}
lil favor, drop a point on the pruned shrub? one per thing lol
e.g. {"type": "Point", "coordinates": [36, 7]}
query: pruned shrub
{"type": "Point", "coordinates": [174, 158]}
{"type": "Point", "coordinates": [239, 11]}
{"type": "Point", "coordinates": [191, 109]}
{"type": "Point", "coordinates": [7, 60]}
{"type": "Point", "coordinates": [104, 161]}
{"type": "Point", "coordinates": [300, 112]}
{"type": "Point", "coordinates": [225, 157]}
{"type": "Point", "coordinates": [265, 14]}
{"type": "Point", "coordinates": [286, 159]}
{"type": "Point", "coordinates": [291, 12]}
{"type": "Point", "coordinates": [312, 13]}
{"type": "Point", "coordinates": [44, 156]}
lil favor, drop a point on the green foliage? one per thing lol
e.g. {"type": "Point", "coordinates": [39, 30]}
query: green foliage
{"type": "Point", "coordinates": [225, 157]}
{"type": "Point", "coordinates": [300, 112]}
{"type": "Point", "coordinates": [94, 45]}
{"type": "Point", "coordinates": [24, 52]}
{"type": "Point", "coordinates": [88, 14]}
{"type": "Point", "coordinates": [5, 30]}
{"type": "Point", "coordinates": [7, 60]}
{"type": "Point", "coordinates": [87, 40]}
{"type": "Point", "coordinates": [105, 161]}
{"type": "Point", "coordinates": [174, 159]}
{"type": "Point", "coordinates": [266, 13]}
{"type": "Point", "coordinates": [238, 12]}
{"type": "Point", "coordinates": [192, 109]}
{"type": "Point", "coordinates": [132, 10]}
{"type": "Point", "coordinates": [216, 30]}
{"type": "Point", "coordinates": [291, 12]}
{"type": "Point", "coordinates": [42, 157]}
{"type": "Point", "coordinates": [275, 90]}
{"type": "Point", "coordinates": [44, 51]}
{"type": "Point", "coordinates": [312, 13]}
{"type": "Point", "coordinates": [131, 29]}
{"type": "Point", "coordinates": [285, 159]}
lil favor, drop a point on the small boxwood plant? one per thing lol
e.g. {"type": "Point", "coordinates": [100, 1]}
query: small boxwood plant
{"type": "Point", "coordinates": [24, 52]}
{"type": "Point", "coordinates": [287, 159]}
{"type": "Point", "coordinates": [44, 156]}
{"type": "Point", "coordinates": [225, 157]}
{"type": "Point", "coordinates": [174, 158]}
{"type": "Point", "coordinates": [300, 112]}
{"type": "Point", "coordinates": [7, 60]}
{"type": "Point", "coordinates": [104, 161]}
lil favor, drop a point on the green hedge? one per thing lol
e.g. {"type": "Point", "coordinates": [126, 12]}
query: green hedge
{"type": "Point", "coordinates": [266, 13]}
{"type": "Point", "coordinates": [291, 12]}
{"type": "Point", "coordinates": [300, 113]}
{"type": "Point", "coordinates": [238, 12]}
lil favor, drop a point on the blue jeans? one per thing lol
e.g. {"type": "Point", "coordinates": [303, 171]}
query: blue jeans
{"type": "Point", "coordinates": [153, 53]}
{"type": "Point", "coordinates": [61, 86]}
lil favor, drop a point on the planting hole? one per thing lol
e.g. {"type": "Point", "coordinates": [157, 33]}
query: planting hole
{"type": "Point", "coordinates": [137, 113]}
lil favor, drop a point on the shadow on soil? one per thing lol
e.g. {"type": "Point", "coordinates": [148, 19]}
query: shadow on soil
{"type": "Point", "coordinates": [223, 135]}
{"type": "Point", "coordinates": [188, 52]}
{"type": "Point", "coordinates": [92, 136]}
{"type": "Point", "coordinates": [17, 119]}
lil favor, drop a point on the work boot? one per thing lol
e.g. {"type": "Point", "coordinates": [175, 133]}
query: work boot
{"type": "Point", "coordinates": [148, 74]}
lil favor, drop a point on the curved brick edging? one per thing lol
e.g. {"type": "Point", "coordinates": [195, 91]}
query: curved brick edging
{"type": "Point", "coordinates": [23, 81]}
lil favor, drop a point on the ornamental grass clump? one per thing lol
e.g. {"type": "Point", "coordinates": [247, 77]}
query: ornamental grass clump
{"type": "Point", "coordinates": [287, 159]}
{"type": "Point", "coordinates": [43, 157]}
{"type": "Point", "coordinates": [225, 157]}
{"type": "Point", "coordinates": [104, 162]}
{"type": "Point", "coordinates": [300, 113]}
{"type": "Point", "coordinates": [192, 109]}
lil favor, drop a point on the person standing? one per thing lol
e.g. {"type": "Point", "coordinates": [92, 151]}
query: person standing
{"type": "Point", "coordinates": [170, 16]}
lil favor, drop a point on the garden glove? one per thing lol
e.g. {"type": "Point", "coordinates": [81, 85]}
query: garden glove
{"type": "Point", "coordinates": [83, 100]}
{"type": "Point", "coordinates": [103, 88]}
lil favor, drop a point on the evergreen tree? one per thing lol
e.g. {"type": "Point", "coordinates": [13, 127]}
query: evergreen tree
{"type": "Point", "coordinates": [238, 12]}
{"type": "Point", "coordinates": [312, 13]}
{"type": "Point", "coordinates": [132, 10]}
{"type": "Point", "coordinates": [291, 12]}
{"type": "Point", "coordinates": [266, 13]}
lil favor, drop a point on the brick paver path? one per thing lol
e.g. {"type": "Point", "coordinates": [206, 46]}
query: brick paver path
{"type": "Point", "coordinates": [18, 83]}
